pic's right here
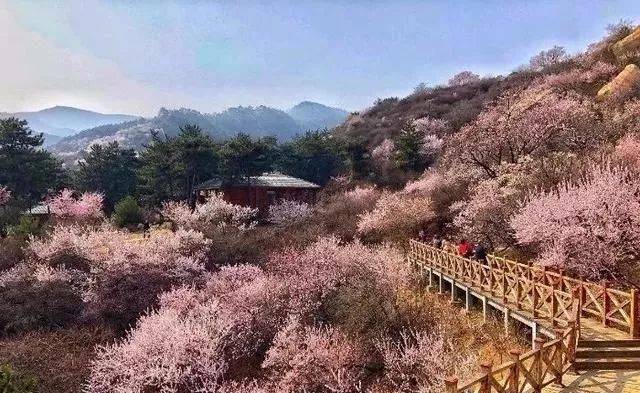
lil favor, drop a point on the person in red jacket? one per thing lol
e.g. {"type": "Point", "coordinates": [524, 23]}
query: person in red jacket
{"type": "Point", "coordinates": [464, 248]}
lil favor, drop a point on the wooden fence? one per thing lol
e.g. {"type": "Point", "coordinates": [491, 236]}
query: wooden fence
{"type": "Point", "coordinates": [542, 366]}
{"type": "Point", "coordinates": [522, 286]}
{"type": "Point", "coordinates": [544, 293]}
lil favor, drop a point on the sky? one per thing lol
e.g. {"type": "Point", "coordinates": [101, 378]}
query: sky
{"type": "Point", "coordinates": [135, 57]}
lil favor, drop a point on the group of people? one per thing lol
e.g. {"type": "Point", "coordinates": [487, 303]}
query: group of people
{"type": "Point", "coordinates": [463, 248]}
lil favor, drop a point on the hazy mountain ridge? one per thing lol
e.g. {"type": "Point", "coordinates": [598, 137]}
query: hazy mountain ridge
{"type": "Point", "coordinates": [257, 121]}
{"type": "Point", "coordinates": [63, 121]}
{"type": "Point", "coordinates": [312, 116]}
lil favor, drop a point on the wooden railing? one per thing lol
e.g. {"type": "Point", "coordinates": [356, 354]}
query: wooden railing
{"type": "Point", "coordinates": [542, 366]}
{"type": "Point", "coordinates": [521, 286]}
{"type": "Point", "coordinates": [544, 293]}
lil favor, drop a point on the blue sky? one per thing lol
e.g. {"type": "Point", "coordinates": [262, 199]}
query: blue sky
{"type": "Point", "coordinates": [134, 57]}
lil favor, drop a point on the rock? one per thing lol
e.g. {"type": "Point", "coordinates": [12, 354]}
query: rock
{"type": "Point", "coordinates": [623, 84]}
{"type": "Point", "coordinates": [627, 45]}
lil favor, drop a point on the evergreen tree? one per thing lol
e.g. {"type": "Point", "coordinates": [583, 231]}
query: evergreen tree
{"type": "Point", "coordinates": [243, 157]}
{"type": "Point", "coordinates": [409, 149]}
{"type": "Point", "coordinates": [26, 169]}
{"type": "Point", "coordinates": [315, 156]}
{"type": "Point", "coordinates": [110, 170]}
{"type": "Point", "coordinates": [172, 167]}
{"type": "Point", "coordinates": [159, 172]}
{"type": "Point", "coordinates": [197, 156]}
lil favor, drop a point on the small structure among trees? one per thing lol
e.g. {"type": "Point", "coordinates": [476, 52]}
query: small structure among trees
{"type": "Point", "coordinates": [260, 191]}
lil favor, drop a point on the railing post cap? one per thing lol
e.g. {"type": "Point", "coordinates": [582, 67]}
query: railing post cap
{"type": "Point", "coordinates": [486, 365]}
{"type": "Point", "coordinates": [451, 380]}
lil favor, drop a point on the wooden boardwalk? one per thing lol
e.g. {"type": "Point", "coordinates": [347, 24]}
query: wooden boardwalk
{"type": "Point", "coordinates": [575, 325]}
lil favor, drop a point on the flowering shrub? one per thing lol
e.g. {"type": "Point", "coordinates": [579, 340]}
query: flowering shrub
{"type": "Point", "coordinates": [420, 362]}
{"type": "Point", "coordinates": [314, 359]}
{"type": "Point", "coordinates": [589, 227]}
{"type": "Point", "coordinates": [38, 297]}
{"type": "Point", "coordinates": [627, 152]}
{"type": "Point", "coordinates": [88, 207]}
{"type": "Point", "coordinates": [532, 122]}
{"type": "Point", "coordinates": [286, 212]}
{"type": "Point", "coordinates": [215, 212]}
{"type": "Point", "coordinates": [581, 78]}
{"type": "Point", "coordinates": [396, 215]}
{"type": "Point", "coordinates": [167, 352]}
{"type": "Point", "coordinates": [243, 315]}
{"type": "Point", "coordinates": [485, 216]}
{"type": "Point", "coordinates": [124, 276]}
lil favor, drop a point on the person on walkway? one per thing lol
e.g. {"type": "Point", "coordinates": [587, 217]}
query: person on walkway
{"type": "Point", "coordinates": [436, 242]}
{"type": "Point", "coordinates": [146, 228]}
{"type": "Point", "coordinates": [480, 253]}
{"type": "Point", "coordinates": [464, 248]}
{"type": "Point", "coordinates": [422, 235]}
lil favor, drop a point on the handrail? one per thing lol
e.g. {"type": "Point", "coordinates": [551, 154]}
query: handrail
{"type": "Point", "coordinates": [547, 362]}
{"type": "Point", "coordinates": [613, 307]}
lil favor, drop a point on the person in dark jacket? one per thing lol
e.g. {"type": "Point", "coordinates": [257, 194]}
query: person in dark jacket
{"type": "Point", "coordinates": [480, 253]}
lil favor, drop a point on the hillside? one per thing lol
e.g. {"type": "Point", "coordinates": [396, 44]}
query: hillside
{"type": "Point", "coordinates": [313, 116]}
{"type": "Point", "coordinates": [64, 121]}
{"type": "Point", "coordinates": [257, 121]}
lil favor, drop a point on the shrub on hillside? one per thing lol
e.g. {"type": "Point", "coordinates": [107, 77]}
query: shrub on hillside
{"type": "Point", "coordinates": [87, 208]}
{"type": "Point", "coordinates": [127, 212]}
{"type": "Point", "coordinates": [225, 329]}
{"type": "Point", "coordinates": [12, 382]}
{"type": "Point", "coordinates": [124, 276]}
{"type": "Point", "coordinates": [214, 213]}
{"type": "Point", "coordinates": [314, 359]}
{"type": "Point", "coordinates": [287, 212]}
{"type": "Point", "coordinates": [420, 361]}
{"type": "Point", "coordinates": [589, 227]}
{"type": "Point", "coordinates": [38, 297]}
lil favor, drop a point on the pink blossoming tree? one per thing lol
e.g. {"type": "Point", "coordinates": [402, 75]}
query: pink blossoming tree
{"type": "Point", "coordinates": [590, 227]}
{"type": "Point", "coordinates": [86, 208]}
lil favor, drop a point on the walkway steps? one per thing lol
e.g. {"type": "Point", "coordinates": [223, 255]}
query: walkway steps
{"type": "Point", "coordinates": [608, 355]}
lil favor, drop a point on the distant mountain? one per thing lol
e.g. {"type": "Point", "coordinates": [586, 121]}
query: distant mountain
{"type": "Point", "coordinates": [65, 121]}
{"type": "Point", "coordinates": [313, 116]}
{"type": "Point", "coordinates": [256, 121]}
{"type": "Point", "coordinates": [50, 140]}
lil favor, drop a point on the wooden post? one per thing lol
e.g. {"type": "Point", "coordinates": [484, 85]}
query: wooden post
{"type": "Point", "coordinates": [561, 278]}
{"type": "Point", "coordinates": [451, 385]}
{"type": "Point", "coordinates": [518, 291]}
{"type": "Point", "coordinates": [634, 329]}
{"type": "Point", "coordinates": [554, 307]}
{"type": "Point", "coordinates": [571, 345]}
{"type": "Point", "coordinates": [557, 357]}
{"type": "Point", "coordinates": [504, 286]}
{"type": "Point", "coordinates": [490, 279]}
{"type": "Point", "coordinates": [507, 314]}
{"type": "Point", "coordinates": [534, 299]}
{"type": "Point", "coordinates": [606, 304]}
{"type": "Point", "coordinates": [514, 374]}
{"type": "Point", "coordinates": [537, 366]}
{"type": "Point", "coordinates": [484, 308]}
{"type": "Point", "coordinates": [430, 278]}
{"type": "Point", "coordinates": [453, 290]}
{"type": "Point", "coordinates": [485, 386]}
{"type": "Point", "coordinates": [440, 283]}
{"type": "Point", "coordinates": [467, 299]}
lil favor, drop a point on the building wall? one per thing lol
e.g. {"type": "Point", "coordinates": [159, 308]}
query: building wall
{"type": "Point", "coordinates": [263, 197]}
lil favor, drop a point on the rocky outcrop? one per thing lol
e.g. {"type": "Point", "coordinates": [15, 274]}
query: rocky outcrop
{"type": "Point", "coordinates": [627, 46]}
{"type": "Point", "coordinates": [624, 84]}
